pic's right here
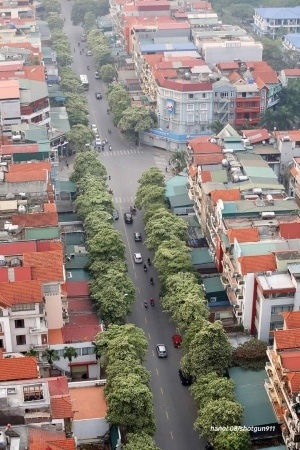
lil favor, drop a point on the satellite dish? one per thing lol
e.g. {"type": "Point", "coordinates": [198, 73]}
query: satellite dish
{"type": "Point", "coordinates": [15, 262]}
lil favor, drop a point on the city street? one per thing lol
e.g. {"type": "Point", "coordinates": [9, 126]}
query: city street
{"type": "Point", "coordinates": [175, 412]}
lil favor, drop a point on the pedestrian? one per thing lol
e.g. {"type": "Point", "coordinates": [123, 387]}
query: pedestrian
{"type": "Point", "coordinates": [67, 164]}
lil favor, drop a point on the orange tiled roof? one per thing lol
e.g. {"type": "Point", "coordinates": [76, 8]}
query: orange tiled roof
{"type": "Point", "coordinates": [227, 195]}
{"type": "Point", "coordinates": [208, 159]}
{"type": "Point", "coordinates": [55, 337]}
{"type": "Point", "coordinates": [31, 220]}
{"type": "Point", "coordinates": [287, 339]}
{"type": "Point", "coordinates": [40, 165]}
{"type": "Point", "coordinates": [204, 147]}
{"type": "Point", "coordinates": [290, 230]}
{"type": "Point", "coordinates": [61, 407]}
{"type": "Point", "coordinates": [41, 439]}
{"type": "Point", "coordinates": [294, 381]}
{"type": "Point", "coordinates": [24, 177]}
{"type": "Point", "coordinates": [291, 319]}
{"type": "Point", "coordinates": [243, 235]}
{"type": "Point", "coordinates": [205, 176]}
{"type": "Point", "coordinates": [193, 171]}
{"type": "Point", "coordinates": [257, 263]}
{"type": "Point", "coordinates": [50, 207]}
{"type": "Point", "coordinates": [20, 292]}
{"type": "Point", "coordinates": [22, 368]}
{"type": "Point", "coordinates": [45, 266]}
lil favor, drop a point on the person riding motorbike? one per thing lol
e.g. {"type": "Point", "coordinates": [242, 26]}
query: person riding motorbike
{"type": "Point", "coordinates": [151, 281]}
{"type": "Point", "coordinates": [145, 268]}
{"type": "Point", "coordinates": [109, 130]}
{"type": "Point", "coordinates": [88, 67]}
{"type": "Point", "coordinates": [145, 303]}
{"type": "Point", "coordinates": [110, 148]}
{"type": "Point", "coordinates": [152, 302]}
{"type": "Point", "coordinates": [149, 262]}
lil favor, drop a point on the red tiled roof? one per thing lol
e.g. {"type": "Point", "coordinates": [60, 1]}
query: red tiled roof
{"type": "Point", "coordinates": [58, 386]}
{"type": "Point", "coordinates": [42, 439]}
{"type": "Point", "coordinates": [46, 246]}
{"type": "Point", "coordinates": [180, 85]}
{"type": "Point", "coordinates": [290, 360]}
{"type": "Point", "coordinates": [205, 147]}
{"type": "Point", "coordinates": [45, 266]}
{"type": "Point", "coordinates": [23, 368]}
{"type": "Point", "coordinates": [228, 66]}
{"type": "Point", "coordinates": [227, 195]}
{"type": "Point", "coordinates": [61, 407]}
{"type": "Point", "coordinates": [291, 319]}
{"type": "Point", "coordinates": [32, 220]}
{"type": "Point", "coordinates": [21, 292]}
{"type": "Point", "coordinates": [205, 176]}
{"type": "Point", "coordinates": [243, 235]}
{"type": "Point", "coordinates": [55, 337]}
{"type": "Point", "coordinates": [50, 207]}
{"type": "Point", "coordinates": [234, 77]}
{"type": "Point", "coordinates": [15, 273]}
{"type": "Point", "coordinates": [290, 230]}
{"type": "Point", "coordinates": [39, 165]}
{"type": "Point", "coordinates": [193, 171]}
{"type": "Point", "coordinates": [255, 136]}
{"type": "Point", "coordinates": [24, 177]}
{"type": "Point", "coordinates": [287, 339]}
{"type": "Point", "coordinates": [77, 288]}
{"type": "Point", "coordinates": [17, 248]}
{"type": "Point", "coordinates": [292, 72]}
{"type": "Point", "coordinates": [18, 148]}
{"type": "Point", "coordinates": [268, 76]}
{"type": "Point", "coordinates": [294, 381]}
{"type": "Point", "coordinates": [74, 333]}
{"type": "Point", "coordinates": [257, 263]}
{"type": "Point", "coordinates": [208, 159]}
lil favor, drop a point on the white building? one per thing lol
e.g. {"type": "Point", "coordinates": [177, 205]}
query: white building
{"type": "Point", "coordinates": [273, 21]}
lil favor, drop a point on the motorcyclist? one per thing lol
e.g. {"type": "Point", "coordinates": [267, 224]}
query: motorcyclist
{"type": "Point", "coordinates": [145, 268]}
{"type": "Point", "coordinates": [109, 148]}
{"type": "Point", "coordinates": [109, 130]}
{"type": "Point", "coordinates": [145, 303]}
{"type": "Point", "coordinates": [149, 262]}
{"type": "Point", "coordinates": [151, 280]}
{"type": "Point", "coordinates": [152, 302]}
{"type": "Point", "coordinates": [88, 67]}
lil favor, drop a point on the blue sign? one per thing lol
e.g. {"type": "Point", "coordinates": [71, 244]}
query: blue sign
{"type": "Point", "coordinates": [170, 105]}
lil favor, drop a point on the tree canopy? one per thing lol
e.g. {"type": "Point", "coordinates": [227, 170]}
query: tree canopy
{"type": "Point", "coordinates": [140, 441]}
{"type": "Point", "coordinates": [251, 355]}
{"type": "Point", "coordinates": [79, 136]}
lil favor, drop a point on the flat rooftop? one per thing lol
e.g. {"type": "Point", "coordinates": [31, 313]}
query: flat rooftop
{"type": "Point", "coordinates": [275, 281]}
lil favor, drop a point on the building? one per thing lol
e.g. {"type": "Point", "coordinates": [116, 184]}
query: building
{"type": "Point", "coordinates": [272, 21]}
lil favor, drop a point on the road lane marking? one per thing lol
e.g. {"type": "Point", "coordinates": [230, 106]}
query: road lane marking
{"type": "Point", "coordinates": [161, 391]}
{"type": "Point", "coordinates": [172, 437]}
{"type": "Point", "coordinates": [145, 319]}
{"type": "Point", "coordinates": [157, 372]}
{"type": "Point", "coordinates": [149, 336]}
{"type": "Point", "coordinates": [153, 354]}
{"type": "Point", "coordinates": [167, 414]}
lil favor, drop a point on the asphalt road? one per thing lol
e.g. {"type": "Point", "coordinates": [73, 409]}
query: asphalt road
{"type": "Point", "coordinates": [175, 412]}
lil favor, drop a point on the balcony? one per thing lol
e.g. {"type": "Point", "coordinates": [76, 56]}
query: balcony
{"type": "Point", "coordinates": [35, 331]}
{"type": "Point", "coordinates": [271, 392]}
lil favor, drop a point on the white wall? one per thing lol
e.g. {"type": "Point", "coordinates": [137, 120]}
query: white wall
{"type": "Point", "coordinates": [89, 428]}
{"type": "Point", "coordinates": [32, 319]}
{"type": "Point", "coordinates": [63, 364]}
{"type": "Point", "coordinates": [248, 300]}
{"type": "Point", "coordinates": [5, 326]}
{"type": "Point", "coordinates": [265, 306]}
{"type": "Point", "coordinates": [53, 307]}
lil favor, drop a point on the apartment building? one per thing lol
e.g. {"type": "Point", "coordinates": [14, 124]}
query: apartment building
{"type": "Point", "coordinates": [282, 384]}
{"type": "Point", "coordinates": [272, 21]}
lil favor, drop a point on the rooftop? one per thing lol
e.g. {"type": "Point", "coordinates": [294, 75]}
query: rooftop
{"type": "Point", "coordinates": [49, 439]}
{"type": "Point", "coordinates": [89, 402]}
{"type": "Point", "coordinates": [43, 219]}
{"type": "Point", "coordinates": [20, 292]}
{"type": "Point", "coordinates": [291, 319]}
{"type": "Point", "coordinates": [45, 266]}
{"type": "Point", "coordinates": [257, 263]}
{"type": "Point", "coordinates": [18, 368]}
{"type": "Point", "coordinates": [287, 339]}
{"type": "Point", "coordinates": [277, 281]}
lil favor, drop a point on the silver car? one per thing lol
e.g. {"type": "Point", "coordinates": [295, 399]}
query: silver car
{"type": "Point", "coordinates": [161, 351]}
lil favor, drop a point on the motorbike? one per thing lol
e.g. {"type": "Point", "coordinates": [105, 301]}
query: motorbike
{"type": "Point", "coordinates": [146, 304]}
{"type": "Point", "coordinates": [109, 130]}
{"type": "Point", "coordinates": [151, 281]}
{"type": "Point", "coordinates": [149, 262]}
{"type": "Point", "coordinates": [110, 148]}
{"type": "Point", "coordinates": [152, 302]}
{"type": "Point", "coordinates": [145, 268]}
{"type": "Point", "coordinates": [133, 210]}
{"type": "Point", "coordinates": [110, 191]}
{"type": "Point", "coordinates": [88, 67]}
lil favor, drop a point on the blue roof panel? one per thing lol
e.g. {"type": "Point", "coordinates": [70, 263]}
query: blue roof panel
{"type": "Point", "coordinates": [156, 48]}
{"type": "Point", "coordinates": [279, 13]}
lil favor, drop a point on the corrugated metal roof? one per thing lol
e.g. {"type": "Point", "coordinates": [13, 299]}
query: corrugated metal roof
{"type": "Point", "coordinates": [42, 233]}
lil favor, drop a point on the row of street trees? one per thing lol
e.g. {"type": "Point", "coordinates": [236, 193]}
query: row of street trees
{"type": "Point", "coordinates": [207, 351]}
{"type": "Point", "coordinates": [76, 104]}
{"type": "Point", "coordinates": [111, 288]}
{"type": "Point", "coordinates": [129, 398]}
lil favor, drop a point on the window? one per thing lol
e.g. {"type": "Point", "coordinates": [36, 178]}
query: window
{"type": "Point", "coordinates": [23, 307]}
{"type": "Point", "coordinates": [51, 289]}
{"type": "Point", "coordinates": [280, 309]}
{"type": "Point", "coordinates": [19, 323]}
{"type": "Point", "coordinates": [190, 95]}
{"type": "Point", "coordinates": [203, 95]}
{"type": "Point", "coordinates": [190, 107]}
{"type": "Point", "coordinates": [203, 106]}
{"type": "Point", "coordinates": [88, 350]}
{"type": "Point", "coordinates": [33, 393]}
{"type": "Point", "coordinates": [190, 118]}
{"type": "Point", "coordinates": [203, 117]}
{"type": "Point", "coordinates": [21, 339]}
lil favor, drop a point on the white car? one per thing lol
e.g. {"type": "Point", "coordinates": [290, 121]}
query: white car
{"type": "Point", "coordinates": [98, 142]}
{"type": "Point", "coordinates": [94, 128]}
{"type": "Point", "coordinates": [89, 53]}
{"type": "Point", "coordinates": [137, 257]}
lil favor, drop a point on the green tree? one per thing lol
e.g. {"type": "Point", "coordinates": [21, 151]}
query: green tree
{"type": "Point", "coordinates": [147, 195]}
{"type": "Point", "coordinates": [100, 267]}
{"type": "Point", "coordinates": [140, 441]}
{"type": "Point", "coordinates": [118, 100]}
{"type": "Point", "coordinates": [51, 6]}
{"type": "Point", "coordinates": [210, 351]}
{"type": "Point", "coordinates": [212, 387]}
{"type": "Point", "coordinates": [218, 413]}
{"type": "Point", "coordinates": [107, 244]}
{"type": "Point", "coordinates": [152, 176]}
{"type": "Point", "coordinates": [108, 73]}
{"type": "Point", "coordinates": [55, 21]}
{"type": "Point", "coordinates": [63, 56]}
{"type": "Point", "coordinates": [70, 82]}
{"type": "Point", "coordinates": [172, 257]}
{"type": "Point", "coordinates": [130, 405]}
{"type": "Point", "coordinates": [268, 119]}
{"type": "Point", "coordinates": [273, 53]}
{"type": "Point", "coordinates": [50, 355]}
{"type": "Point", "coordinates": [232, 440]}
{"type": "Point", "coordinates": [87, 166]}
{"type": "Point", "coordinates": [130, 333]}
{"type": "Point", "coordinates": [217, 126]}
{"type": "Point", "coordinates": [81, 7]}
{"type": "Point", "coordinates": [251, 355]}
{"type": "Point", "coordinates": [77, 116]}
{"type": "Point", "coordinates": [194, 308]}
{"type": "Point", "coordinates": [70, 353]}
{"type": "Point", "coordinates": [165, 228]}
{"type": "Point", "coordinates": [79, 136]}
{"type": "Point", "coordinates": [136, 118]}
{"type": "Point", "coordinates": [112, 303]}
{"type": "Point", "coordinates": [32, 352]}
{"type": "Point", "coordinates": [89, 21]}
{"type": "Point", "coordinates": [102, 55]}
{"type": "Point", "coordinates": [125, 367]}
{"type": "Point", "coordinates": [94, 221]}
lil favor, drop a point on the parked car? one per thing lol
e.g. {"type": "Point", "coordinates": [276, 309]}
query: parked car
{"type": "Point", "coordinates": [161, 351]}
{"type": "Point", "coordinates": [98, 95]}
{"type": "Point", "coordinates": [98, 143]}
{"type": "Point", "coordinates": [89, 53]}
{"type": "Point", "coordinates": [115, 214]}
{"type": "Point", "coordinates": [128, 218]}
{"type": "Point", "coordinates": [97, 76]}
{"type": "Point", "coordinates": [137, 257]}
{"type": "Point", "coordinates": [186, 380]}
{"type": "Point", "coordinates": [137, 237]}
{"type": "Point", "coordinates": [94, 128]}
{"type": "Point", "coordinates": [177, 340]}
